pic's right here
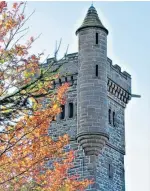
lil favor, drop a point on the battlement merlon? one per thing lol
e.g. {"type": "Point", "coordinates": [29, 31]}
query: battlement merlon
{"type": "Point", "coordinates": [70, 66]}
{"type": "Point", "coordinates": [123, 79]}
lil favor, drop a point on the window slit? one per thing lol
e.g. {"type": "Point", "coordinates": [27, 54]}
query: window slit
{"type": "Point", "coordinates": [110, 171]}
{"type": "Point", "coordinates": [70, 110]}
{"type": "Point", "coordinates": [54, 84]}
{"type": "Point", "coordinates": [114, 119]}
{"type": "Point", "coordinates": [96, 70]}
{"type": "Point", "coordinates": [62, 114]}
{"type": "Point", "coordinates": [96, 38]}
{"type": "Point", "coordinates": [109, 116]}
{"type": "Point", "coordinates": [60, 82]}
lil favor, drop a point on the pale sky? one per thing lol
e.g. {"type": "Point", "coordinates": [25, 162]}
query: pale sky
{"type": "Point", "coordinates": [128, 46]}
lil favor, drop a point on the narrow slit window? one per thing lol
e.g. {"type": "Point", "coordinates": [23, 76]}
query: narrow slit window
{"type": "Point", "coordinates": [70, 110]}
{"type": "Point", "coordinates": [54, 84]}
{"type": "Point", "coordinates": [62, 114]}
{"type": "Point", "coordinates": [114, 119]}
{"type": "Point", "coordinates": [60, 82]}
{"type": "Point", "coordinates": [65, 79]}
{"type": "Point", "coordinates": [110, 171]}
{"type": "Point", "coordinates": [109, 116]}
{"type": "Point", "coordinates": [96, 70]}
{"type": "Point", "coordinates": [96, 38]}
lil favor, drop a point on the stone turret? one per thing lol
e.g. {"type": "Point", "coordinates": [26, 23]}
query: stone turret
{"type": "Point", "coordinates": [92, 112]}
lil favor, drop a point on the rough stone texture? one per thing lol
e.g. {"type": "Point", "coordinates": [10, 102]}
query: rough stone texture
{"type": "Point", "coordinates": [92, 131]}
{"type": "Point", "coordinates": [117, 132]}
{"type": "Point", "coordinates": [94, 96]}
{"type": "Point", "coordinates": [67, 125]}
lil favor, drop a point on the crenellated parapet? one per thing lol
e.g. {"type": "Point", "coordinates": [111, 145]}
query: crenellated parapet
{"type": "Point", "coordinates": [118, 82]}
{"type": "Point", "coordinates": [71, 79]}
{"type": "Point", "coordinates": [69, 59]}
{"type": "Point", "coordinates": [72, 56]}
{"type": "Point", "coordinates": [69, 66]}
{"type": "Point", "coordinates": [114, 91]}
{"type": "Point", "coordinates": [123, 79]}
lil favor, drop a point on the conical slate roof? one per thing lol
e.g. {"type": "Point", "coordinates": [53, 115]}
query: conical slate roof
{"type": "Point", "coordinates": [92, 20]}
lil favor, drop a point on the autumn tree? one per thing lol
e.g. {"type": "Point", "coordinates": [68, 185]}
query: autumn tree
{"type": "Point", "coordinates": [25, 146]}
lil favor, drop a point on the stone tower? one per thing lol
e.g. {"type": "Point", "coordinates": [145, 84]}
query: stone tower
{"type": "Point", "coordinates": [93, 115]}
{"type": "Point", "coordinates": [92, 130]}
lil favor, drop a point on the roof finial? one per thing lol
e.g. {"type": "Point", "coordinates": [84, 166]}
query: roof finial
{"type": "Point", "coordinates": [92, 4]}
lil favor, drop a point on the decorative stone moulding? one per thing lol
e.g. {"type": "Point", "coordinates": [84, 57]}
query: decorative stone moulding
{"type": "Point", "coordinates": [118, 92]}
{"type": "Point", "coordinates": [92, 143]}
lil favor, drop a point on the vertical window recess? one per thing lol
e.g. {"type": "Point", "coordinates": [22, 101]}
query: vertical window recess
{"type": "Point", "coordinates": [60, 82]}
{"type": "Point", "coordinates": [96, 38]}
{"type": "Point", "coordinates": [114, 119]}
{"type": "Point", "coordinates": [70, 110]}
{"type": "Point", "coordinates": [110, 171]}
{"type": "Point", "coordinates": [54, 84]}
{"type": "Point", "coordinates": [62, 115]}
{"type": "Point", "coordinates": [109, 116]}
{"type": "Point", "coordinates": [96, 70]}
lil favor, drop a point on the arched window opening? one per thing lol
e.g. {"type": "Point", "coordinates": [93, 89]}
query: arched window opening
{"type": "Point", "coordinates": [70, 110]}
{"type": "Point", "coordinates": [114, 119]}
{"type": "Point", "coordinates": [96, 70]}
{"type": "Point", "coordinates": [96, 38]}
{"type": "Point", "coordinates": [109, 116]}
{"type": "Point", "coordinates": [62, 114]}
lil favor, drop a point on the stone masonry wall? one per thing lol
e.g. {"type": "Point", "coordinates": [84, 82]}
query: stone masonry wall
{"type": "Point", "coordinates": [112, 153]}
{"type": "Point", "coordinates": [109, 167]}
{"type": "Point", "coordinates": [116, 128]}
{"type": "Point", "coordinates": [115, 182]}
{"type": "Point", "coordinates": [67, 125]}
